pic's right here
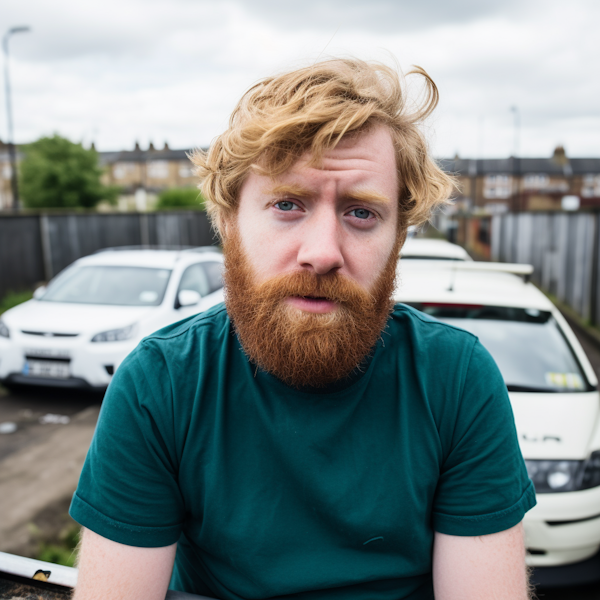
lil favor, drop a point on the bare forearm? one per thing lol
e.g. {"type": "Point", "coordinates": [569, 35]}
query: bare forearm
{"type": "Point", "coordinates": [488, 566]}
{"type": "Point", "coordinates": [112, 571]}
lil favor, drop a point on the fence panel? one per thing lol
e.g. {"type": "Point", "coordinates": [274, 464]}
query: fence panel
{"type": "Point", "coordinates": [35, 248]}
{"type": "Point", "coordinates": [21, 260]}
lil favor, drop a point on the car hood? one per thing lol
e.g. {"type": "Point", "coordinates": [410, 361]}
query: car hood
{"type": "Point", "coordinates": [556, 426]}
{"type": "Point", "coordinates": [63, 317]}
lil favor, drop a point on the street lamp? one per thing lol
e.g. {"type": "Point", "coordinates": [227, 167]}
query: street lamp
{"type": "Point", "coordinates": [11, 146]}
{"type": "Point", "coordinates": [516, 161]}
{"type": "Point", "coordinates": [517, 123]}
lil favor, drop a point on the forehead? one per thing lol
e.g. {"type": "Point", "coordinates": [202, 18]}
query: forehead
{"type": "Point", "coordinates": [363, 161]}
{"type": "Point", "coordinates": [369, 152]}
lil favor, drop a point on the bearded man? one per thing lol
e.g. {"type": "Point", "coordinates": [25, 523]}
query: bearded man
{"type": "Point", "coordinates": [308, 439]}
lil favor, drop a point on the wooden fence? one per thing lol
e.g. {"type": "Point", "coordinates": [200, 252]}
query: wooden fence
{"type": "Point", "coordinates": [34, 248]}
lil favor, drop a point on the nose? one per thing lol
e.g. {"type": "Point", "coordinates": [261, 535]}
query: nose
{"type": "Point", "coordinates": [321, 245]}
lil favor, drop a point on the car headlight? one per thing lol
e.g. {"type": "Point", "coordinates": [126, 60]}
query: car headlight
{"type": "Point", "coordinates": [550, 476]}
{"type": "Point", "coordinates": [115, 335]}
{"type": "Point", "coordinates": [591, 471]}
{"type": "Point", "coordinates": [4, 330]}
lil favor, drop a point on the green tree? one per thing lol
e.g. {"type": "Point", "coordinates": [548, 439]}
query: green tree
{"type": "Point", "coordinates": [56, 172]}
{"type": "Point", "coordinates": [180, 198]}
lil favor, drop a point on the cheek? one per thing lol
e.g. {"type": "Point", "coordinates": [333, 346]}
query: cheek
{"type": "Point", "coordinates": [268, 253]}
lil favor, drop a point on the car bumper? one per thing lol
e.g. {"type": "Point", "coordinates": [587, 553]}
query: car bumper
{"type": "Point", "coordinates": [89, 365]}
{"type": "Point", "coordinates": [563, 529]}
{"type": "Point", "coordinates": [579, 573]}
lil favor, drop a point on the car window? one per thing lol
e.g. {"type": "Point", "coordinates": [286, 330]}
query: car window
{"type": "Point", "coordinates": [120, 286]}
{"type": "Point", "coordinates": [527, 345]}
{"type": "Point", "coordinates": [204, 278]}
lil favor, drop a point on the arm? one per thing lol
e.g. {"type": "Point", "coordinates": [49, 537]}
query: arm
{"type": "Point", "coordinates": [112, 571]}
{"type": "Point", "coordinates": [488, 566]}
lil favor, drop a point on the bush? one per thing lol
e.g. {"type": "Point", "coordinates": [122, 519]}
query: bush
{"type": "Point", "coordinates": [180, 198]}
{"type": "Point", "coordinates": [13, 298]}
{"type": "Point", "coordinates": [64, 551]}
{"type": "Point", "coordinates": [57, 173]}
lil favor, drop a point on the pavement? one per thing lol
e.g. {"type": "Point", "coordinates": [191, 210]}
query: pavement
{"type": "Point", "coordinates": [39, 469]}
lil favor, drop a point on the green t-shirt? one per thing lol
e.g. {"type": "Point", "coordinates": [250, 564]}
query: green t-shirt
{"type": "Point", "coordinates": [273, 492]}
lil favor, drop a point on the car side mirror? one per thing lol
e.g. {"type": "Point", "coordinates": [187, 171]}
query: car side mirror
{"type": "Point", "coordinates": [39, 292]}
{"type": "Point", "coordinates": [188, 297]}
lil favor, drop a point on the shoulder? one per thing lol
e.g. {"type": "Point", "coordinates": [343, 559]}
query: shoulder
{"type": "Point", "coordinates": [180, 343]}
{"type": "Point", "coordinates": [443, 357]}
{"type": "Point", "coordinates": [207, 322]}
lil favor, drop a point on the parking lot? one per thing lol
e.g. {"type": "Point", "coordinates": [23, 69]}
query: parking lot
{"type": "Point", "coordinates": [41, 460]}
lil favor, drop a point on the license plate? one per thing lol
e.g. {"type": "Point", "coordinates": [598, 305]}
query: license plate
{"type": "Point", "coordinates": [47, 368]}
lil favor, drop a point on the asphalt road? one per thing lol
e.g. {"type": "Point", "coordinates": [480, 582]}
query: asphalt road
{"type": "Point", "coordinates": [30, 410]}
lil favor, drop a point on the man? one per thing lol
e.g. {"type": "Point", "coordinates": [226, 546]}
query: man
{"type": "Point", "coordinates": [304, 440]}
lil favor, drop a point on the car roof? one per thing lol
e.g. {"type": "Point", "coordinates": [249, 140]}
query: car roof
{"type": "Point", "coordinates": [150, 257]}
{"type": "Point", "coordinates": [429, 249]}
{"type": "Point", "coordinates": [437, 281]}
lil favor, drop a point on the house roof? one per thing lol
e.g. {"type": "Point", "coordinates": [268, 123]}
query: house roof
{"type": "Point", "coordinates": [558, 164]}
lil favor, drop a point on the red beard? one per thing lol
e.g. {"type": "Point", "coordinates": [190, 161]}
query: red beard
{"type": "Point", "coordinates": [302, 348]}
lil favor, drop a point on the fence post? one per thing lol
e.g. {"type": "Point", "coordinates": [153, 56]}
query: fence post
{"type": "Point", "coordinates": [595, 265]}
{"type": "Point", "coordinates": [46, 247]}
{"type": "Point", "coordinates": [144, 229]}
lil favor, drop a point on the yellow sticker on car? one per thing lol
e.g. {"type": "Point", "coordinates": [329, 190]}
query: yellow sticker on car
{"type": "Point", "coordinates": [565, 381]}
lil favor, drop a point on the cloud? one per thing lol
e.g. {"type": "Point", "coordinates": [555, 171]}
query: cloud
{"type": "Point", "coordinates": [123, 70]}
{"type": "Point", "coordinates": [378, 16]}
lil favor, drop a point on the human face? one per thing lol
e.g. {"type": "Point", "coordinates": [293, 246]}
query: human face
{"type": "Point", "coordinates": [337, 217]}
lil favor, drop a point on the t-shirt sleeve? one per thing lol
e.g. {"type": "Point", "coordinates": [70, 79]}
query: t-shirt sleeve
{"type": "Point", "coordinates": [483, 486]}
{"type": "Point", "coordinates": [128, 488]}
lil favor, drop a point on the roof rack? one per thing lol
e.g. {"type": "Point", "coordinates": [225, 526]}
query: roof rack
{"type": "Point", "coordinates": [172, 247]}
{"type": "Point", "coordinates": [493, 267]}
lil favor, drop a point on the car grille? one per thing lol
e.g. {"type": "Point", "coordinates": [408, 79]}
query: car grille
{"type": "Point", "coordinates": [49, 333]}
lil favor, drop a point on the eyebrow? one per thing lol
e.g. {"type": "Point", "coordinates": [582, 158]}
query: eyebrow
{"type": "Point", "coordinates": [291, 190]}
{"type": "Point", "coordinates": [368, 196]}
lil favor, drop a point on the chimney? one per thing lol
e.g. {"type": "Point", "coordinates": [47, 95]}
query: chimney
{"type": "Point", "coordinates": [137, 147]}
{"type": "Point", "coordinates": [93, 147]}
{"type": "Point", "coordinates": [560, 156]}
{"type": "Point", "coordinates": [166, 146]}
{"type": "Point", "coordinates": [151, 147]}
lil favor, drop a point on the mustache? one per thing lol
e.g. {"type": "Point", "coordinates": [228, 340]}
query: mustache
{"type": "Point", "coordinates": [331, 286]}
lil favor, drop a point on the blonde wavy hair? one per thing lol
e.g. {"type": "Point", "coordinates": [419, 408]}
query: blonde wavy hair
{"type": "Point", "coordinates": [311, 109]}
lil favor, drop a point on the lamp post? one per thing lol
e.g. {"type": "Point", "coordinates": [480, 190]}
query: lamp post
{"type": "Point", "coordinates": [517, 124]}
{"type": "Point", "coordinates": [516, 161]}
{"type": "Point", "coordinates": [11, 145]}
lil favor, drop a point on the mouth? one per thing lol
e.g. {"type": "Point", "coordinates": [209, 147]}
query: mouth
{"type": "Point", "coordinates": [313, 304]}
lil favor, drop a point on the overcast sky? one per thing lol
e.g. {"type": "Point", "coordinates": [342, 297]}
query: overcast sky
{"type": "Point", "coordinates": [118, 71]}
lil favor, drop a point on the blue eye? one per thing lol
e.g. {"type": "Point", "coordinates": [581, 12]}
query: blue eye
{"type": "Point", "coordinates": [361, 213]}
{"type": "Point", "coordinates": [285, 205]}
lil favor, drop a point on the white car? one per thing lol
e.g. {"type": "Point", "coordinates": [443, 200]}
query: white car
{"type": "Point", "coordinates": [76, 332]}
{"type": "Point", "coordinates": [553, 391]}
{"type": "Point", "coordinates": [430, 249]}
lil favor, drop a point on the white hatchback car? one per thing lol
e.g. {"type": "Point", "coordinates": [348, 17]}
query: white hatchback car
{"type": "Point", "coordinates": [431, 249]}
{"type": "Point", "coordinates": [553, 392]}
{"type": "Point", "coordinates": [76, 332]}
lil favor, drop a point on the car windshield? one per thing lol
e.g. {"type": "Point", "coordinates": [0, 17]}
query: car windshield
{"type": "Point", "coordinates": [119, 286]}
{"type": "Point", "coordinates": [527, 345]}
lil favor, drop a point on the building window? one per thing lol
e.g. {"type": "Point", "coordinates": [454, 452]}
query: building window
{"type": "Point", "coordinates": [497, 186]}
{"type": "Point", "coordinates": [535, 181]}
{"type": "Point", "coordinates": [185, 171]}
{"type": "Point", "coordinates": [158, 169]}
{"type": "Point", "coordinates": [123, 170]}
{"type": "Point", "coordinates": [591, 186]}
